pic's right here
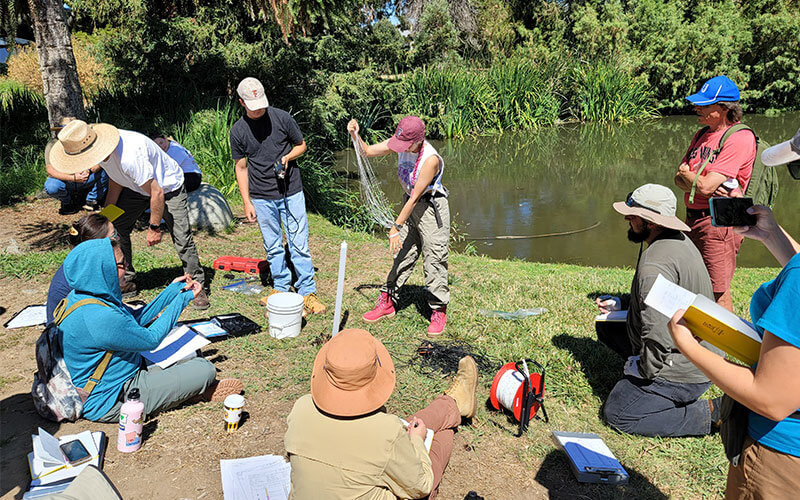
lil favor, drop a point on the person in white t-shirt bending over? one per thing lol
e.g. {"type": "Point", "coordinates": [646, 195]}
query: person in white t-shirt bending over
{"type": "Point", "coordinates": [192, 176]}
{"type": "Point", "coordinates": [141, 176]}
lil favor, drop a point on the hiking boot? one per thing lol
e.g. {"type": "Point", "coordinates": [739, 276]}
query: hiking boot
{"type": "Point", "coordinates": [383, 309]}
{"type": "Point", "coordinates": [128, 289]}
{"type": "Point", "coordinates": [68, 208]}
{"type": "Point", "coordinates": [263, 300]}
{"type": "Point", "coordinates": [464, 386]}
{"type": "Point", "coordinates": [222, 389]}
{"type": "Point", "coordinates": [312, 305]}
{"type": "Point", "coordinates": [201, 301]}
{"type": "Point", "coordinates": [91, 206]}
{"type": "Point", "coordinates": [438, 320]}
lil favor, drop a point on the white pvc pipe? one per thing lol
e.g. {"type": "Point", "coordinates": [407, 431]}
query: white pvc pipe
{"type": "Point", "coordinates": [339, 289]}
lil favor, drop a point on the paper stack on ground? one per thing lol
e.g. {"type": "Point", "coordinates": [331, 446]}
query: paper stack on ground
{"type": "Point", "coordinates": [48, 464]}
{"type": "Point", "coordinates": [706, 319]}
{"type": "Point", "coordinates": [30, 316]}
{"type": "Point", "coordinates": [181, 343]}
{"type": "Point", "coordinates": [265, 477]}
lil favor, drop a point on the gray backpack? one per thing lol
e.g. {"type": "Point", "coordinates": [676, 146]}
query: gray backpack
{"type": "Point", "coordinates": [54, 395]}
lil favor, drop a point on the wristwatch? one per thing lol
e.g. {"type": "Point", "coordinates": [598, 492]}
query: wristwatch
{"type": "Point", "coordinates": [155, 227]}
{"type": "Point", "coordinates": [399, 227]}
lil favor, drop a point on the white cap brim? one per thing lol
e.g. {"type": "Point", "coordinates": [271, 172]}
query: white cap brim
{"type": "Point", "coordinates": [256, 104]}
{"type": "Point", "coordinates": [779, 154]}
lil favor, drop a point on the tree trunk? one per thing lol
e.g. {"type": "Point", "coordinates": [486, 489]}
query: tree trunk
{"type": "Point", "coordinates": [62, 90]}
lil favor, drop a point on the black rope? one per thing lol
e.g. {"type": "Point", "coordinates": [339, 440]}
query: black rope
{"type": "Point", "coordinates": [444, 356]}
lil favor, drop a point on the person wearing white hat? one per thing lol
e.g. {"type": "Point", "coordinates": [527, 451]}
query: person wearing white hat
{"type": "Point", "coordinates": [763, 443]}
{"type": "Point", "coordinates": [265, 144]}
{"type": "Point", "coordinates": [141, 176]}
{"type": "Point", "coordinates": [658, 393]}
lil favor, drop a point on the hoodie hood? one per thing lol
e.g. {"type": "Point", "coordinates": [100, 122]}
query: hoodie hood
{"type": "Point", "coordinates": [91, 269]}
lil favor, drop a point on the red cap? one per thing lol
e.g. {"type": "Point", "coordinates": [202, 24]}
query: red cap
{"type": "Point", "coordinates": [409, 130]}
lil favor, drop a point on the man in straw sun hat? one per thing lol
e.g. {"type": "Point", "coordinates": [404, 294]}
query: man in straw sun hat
{"type": "Point", "coordinates": [658, 393]}
{"type": "Point", "coordinates": [85, 189]}
{"type": "Point", "coordinates": [141, 176]}
{"type": "Point", "coordinates": [341, 442]}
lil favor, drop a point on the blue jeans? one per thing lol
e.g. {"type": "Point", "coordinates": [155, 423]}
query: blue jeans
{"type": "Point", "coordinates": [658, 408]}
{"type": "Point", "coordinates": [271, 214]}
{"type": "Point", "coordinates": [66, 192]}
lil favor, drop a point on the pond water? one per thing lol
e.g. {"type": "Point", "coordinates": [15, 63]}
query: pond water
{"type": "Point", "coordinates": [565, 178]}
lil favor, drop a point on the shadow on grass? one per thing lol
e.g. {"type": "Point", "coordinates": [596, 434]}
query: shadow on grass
{"type": "Point", "coordinates": [18, 420]}
{"type": "Point", "coordinates": [161, 277]}
{"type": "Point", "coordinates": [601, 366]}
{"type": "Point", "coordinates": [407, 295]}
{"type": "Point", "coordinates": [44, 236]}
{"type": "Point", "coordinates": [556, 475]}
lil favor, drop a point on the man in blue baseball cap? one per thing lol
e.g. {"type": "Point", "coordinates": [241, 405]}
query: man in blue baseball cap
{"type": "Point", "coordinates": [708, 170]}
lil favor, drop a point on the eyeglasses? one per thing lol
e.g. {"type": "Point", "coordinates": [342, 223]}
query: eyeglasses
{"type": "Point", "coordinates": [794, 169]}
{"type": "Point", "coordinates": [633, 203]}
{"type": "Point", "coordinates": [121, 264]}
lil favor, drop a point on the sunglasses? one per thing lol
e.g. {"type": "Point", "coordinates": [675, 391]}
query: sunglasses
{"type": "Point", "coordinates": [794, 169]}
{"type": "Point", "coordinates": [634, 204]}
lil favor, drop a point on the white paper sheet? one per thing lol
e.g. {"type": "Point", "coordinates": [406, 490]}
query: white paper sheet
{"type": "Point", "coordinates": [265, 477]}
{"type": "Point", "coordinates": [208, 328]}
{"type": "Point", "coordinates": [666, 297]}
{"type": "Point", "coordinates": [187, 350]}
{"type": "Point", "coordinates": [30, 316]}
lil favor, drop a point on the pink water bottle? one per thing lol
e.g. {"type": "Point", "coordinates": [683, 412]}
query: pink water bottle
{"type": "Point", "coordinates": [129, 438]}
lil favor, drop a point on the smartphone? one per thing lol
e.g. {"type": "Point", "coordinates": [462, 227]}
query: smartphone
{"type": "Point", "coordinates": [75, 452]}
{"type": "Point", "coordinates": [731, 212]}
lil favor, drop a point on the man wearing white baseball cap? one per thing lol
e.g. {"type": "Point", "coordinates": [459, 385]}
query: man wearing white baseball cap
{"type": "Point", "coordinates": [265, 143]}
{"type": "Point", "coordinates": [659, 389]}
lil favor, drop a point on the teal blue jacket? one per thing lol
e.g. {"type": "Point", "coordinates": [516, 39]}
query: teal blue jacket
{"type": "Point", "coordinates": [92, 329]}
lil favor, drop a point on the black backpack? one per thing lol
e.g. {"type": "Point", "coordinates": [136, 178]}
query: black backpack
{"type": "Point", "coordinates": [763, 186]}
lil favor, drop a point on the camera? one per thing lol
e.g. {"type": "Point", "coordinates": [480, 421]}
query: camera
{"type": "Point", "coordinates": [280, 169]}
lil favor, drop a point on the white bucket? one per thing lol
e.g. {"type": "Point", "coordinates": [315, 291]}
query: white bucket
{"type": "Point", "coordinates": [285, 314]}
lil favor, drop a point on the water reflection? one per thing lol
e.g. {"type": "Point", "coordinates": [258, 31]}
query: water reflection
{"type": "Point", "coordinates": [564, 178]}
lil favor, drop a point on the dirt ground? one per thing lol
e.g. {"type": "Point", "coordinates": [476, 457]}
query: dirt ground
{"type": "Point", "coordinates": [182, 448]}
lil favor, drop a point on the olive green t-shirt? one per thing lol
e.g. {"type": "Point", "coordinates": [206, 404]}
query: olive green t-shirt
{"type": "Point", "coordinates": [679, 261]}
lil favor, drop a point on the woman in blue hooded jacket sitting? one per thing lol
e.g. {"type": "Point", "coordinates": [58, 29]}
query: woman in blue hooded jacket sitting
{"type": "Point", "coordinates": [94, 269]}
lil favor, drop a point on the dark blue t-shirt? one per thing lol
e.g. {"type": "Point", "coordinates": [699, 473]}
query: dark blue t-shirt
{"type": "Point", "coordinates": [263, 142]}
{"type": "Point", "coordinates": [59, 289]}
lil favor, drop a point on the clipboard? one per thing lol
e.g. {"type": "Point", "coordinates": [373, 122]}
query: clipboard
{"type": "Point", "coordinates": [589, 458]}
{"type": "Point", "coordinates": [111, 212]}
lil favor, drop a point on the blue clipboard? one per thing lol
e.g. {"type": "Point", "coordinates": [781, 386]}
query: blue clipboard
{"type": "Point", "coordinates": [590, 459]}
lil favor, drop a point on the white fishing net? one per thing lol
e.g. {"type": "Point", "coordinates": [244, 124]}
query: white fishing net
{"type": "Point", "coordinates": [378, 207]}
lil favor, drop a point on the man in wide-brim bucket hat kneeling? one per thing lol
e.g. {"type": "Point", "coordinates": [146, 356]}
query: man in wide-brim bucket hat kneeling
{"type": "Point", "coordinates": [343, 444]}
{"type": "Point", "coordinates": [658, 392]}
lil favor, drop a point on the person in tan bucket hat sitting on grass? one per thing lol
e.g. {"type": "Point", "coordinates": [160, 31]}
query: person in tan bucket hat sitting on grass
{"type": "Point", "coordinates": [342, 443]}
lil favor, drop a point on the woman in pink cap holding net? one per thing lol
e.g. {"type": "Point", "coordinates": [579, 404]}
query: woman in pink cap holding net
{"type": "Point", "coordinates": [423, 224]}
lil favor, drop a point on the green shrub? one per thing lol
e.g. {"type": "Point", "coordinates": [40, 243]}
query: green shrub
{"type": "Point", "coordinates": [453, 101]}
{"type": "Point", "coordinates": [206, 135]}
{"type": "Point", "coordinates": [604, 92]}
{"type": "Point", "coordinates": [524, 94]}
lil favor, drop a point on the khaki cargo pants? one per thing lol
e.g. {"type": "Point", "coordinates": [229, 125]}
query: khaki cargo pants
{"type": "Point", "coordinates": [421, 233]}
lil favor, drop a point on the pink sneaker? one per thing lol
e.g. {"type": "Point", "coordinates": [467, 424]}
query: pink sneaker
{"type": "Point", "coordinates": [383, 309]}
{"type": "Point", "coordinates": [438, 320]}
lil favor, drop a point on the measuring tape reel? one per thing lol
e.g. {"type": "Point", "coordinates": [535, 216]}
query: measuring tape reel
{"type": "Point", "coordinates": [517, 390]}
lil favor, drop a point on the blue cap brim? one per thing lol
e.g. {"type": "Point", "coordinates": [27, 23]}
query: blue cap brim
{"type": "Point", "coordinates": [701, 100]}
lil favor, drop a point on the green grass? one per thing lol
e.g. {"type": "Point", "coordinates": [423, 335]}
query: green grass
{"type": "Point", "coordinates": [580, 372]}
{"type": "Point", "coordinates": [605, 92]}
